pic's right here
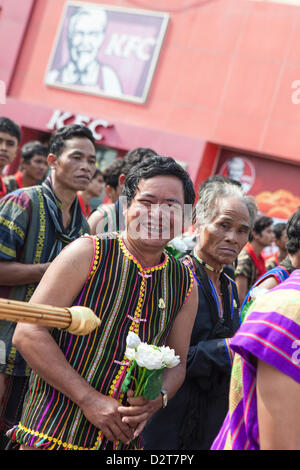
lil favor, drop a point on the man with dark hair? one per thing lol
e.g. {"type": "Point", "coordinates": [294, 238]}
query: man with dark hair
{"type": "Point", "coordinates": [109, 217]}
{"type": "Point", "coordinates": [251, 264]}
{"type": "Point", "coordinates": [157, 165]}
{"type": "Point", "coordinates": [34, 167]}
{"type": "Point", "coordinates": [10, 136]}
{"type": "Point", "coordinates": [133, 286]}
{"type": "Point", "coordinates": [135, 156]}
{"type": "Point", "coordinates": [280, 241]}
{"type": "Point", "coordinates": [36, 223]}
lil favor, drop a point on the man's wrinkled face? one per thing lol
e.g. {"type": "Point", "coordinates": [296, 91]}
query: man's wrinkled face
{"type": "Point", "coordinates": [221, 239]}
{"type": "Point", "coordinates": [156, 213]}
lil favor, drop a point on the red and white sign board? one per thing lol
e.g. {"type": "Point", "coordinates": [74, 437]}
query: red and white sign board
{"type": "Point", "coordinates": [106, 50]}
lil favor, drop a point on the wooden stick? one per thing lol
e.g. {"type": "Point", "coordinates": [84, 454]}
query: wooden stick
{"type": "Point", "coordinates": [5, 315]}
{"type": "Point", "coordinates": [34, 317]}
{"type": "Point", "coordinates": [46, 315]}
{"type": "Point", "coordinates": [9, 307]}
{"type": "Point", "coordinates": [32, 307]}
{"type": "Point", "coordinates": [77, 320]}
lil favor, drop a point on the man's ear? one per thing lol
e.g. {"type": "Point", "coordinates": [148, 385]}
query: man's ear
{"type": "Point", "coordinates": [122, 178]}
{"type": "Point", "coordinates": [52, 160]}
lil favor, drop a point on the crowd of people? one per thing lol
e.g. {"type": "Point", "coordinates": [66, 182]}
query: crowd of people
{"type": "Point", "coordinates": [230, 313]}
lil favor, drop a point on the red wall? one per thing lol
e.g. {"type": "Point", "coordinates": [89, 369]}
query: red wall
{"type": "Point", "coordinates": [224, 76]}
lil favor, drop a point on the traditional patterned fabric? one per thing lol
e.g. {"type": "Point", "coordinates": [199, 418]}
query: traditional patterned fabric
{"type": "Point", "coordinates": [111, 217]}
{"type": "Point", "coordinates": [269, 333]}
{"type": "Point", "coordinates": [13, 182]}
{"type": "Point", "coordinates": [31, 232]}
{"type": "Point", "coordinates": [272, 261]}
{"type": "Point", "coordinates": [246, 267]}
{"type": "Point", "coordinates": [279, 273]}
{"type": "Point", "coordinates": [7, 185]}
{"type": "Point", "coordinates": [126, 297]}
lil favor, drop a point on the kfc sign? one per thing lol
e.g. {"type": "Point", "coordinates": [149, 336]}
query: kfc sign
{"type": "Point", "coordinates": [62, 118]}
{"type": "Point", "coordinates": [106, 50]}
{"type": "Point", "coordinates": [240, 169]}
{"type": "Point", "coordinates": [123, 45]}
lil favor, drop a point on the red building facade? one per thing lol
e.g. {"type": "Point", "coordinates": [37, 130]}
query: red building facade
{"type": "Point", "coordinates": [225, 85]}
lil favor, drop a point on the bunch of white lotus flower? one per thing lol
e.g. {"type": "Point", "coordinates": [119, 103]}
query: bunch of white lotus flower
{"type": "Point", "coordinates": [149, 356]}
{"type": "Point", "coordinates": [148, 362]}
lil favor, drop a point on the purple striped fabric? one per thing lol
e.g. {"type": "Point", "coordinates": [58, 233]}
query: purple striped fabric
{"type": "Point", "coordinates": [271, 333]}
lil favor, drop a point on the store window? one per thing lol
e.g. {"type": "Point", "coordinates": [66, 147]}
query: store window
{"type": "Point", "coordinates": [105, 155]}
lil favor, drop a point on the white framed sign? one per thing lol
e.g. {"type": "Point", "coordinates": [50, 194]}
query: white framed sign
{"type": "Point", "coordinates": [106, 50]}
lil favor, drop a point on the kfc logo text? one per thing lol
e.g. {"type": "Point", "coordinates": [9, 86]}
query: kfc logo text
{"type": "Point", "coordinates": [61, 118]}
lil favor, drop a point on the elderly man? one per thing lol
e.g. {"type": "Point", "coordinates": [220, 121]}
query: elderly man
{"type": "Point", "coordinates": [133, 285]}
{"type": "Point", "coordinates": [36, 223]}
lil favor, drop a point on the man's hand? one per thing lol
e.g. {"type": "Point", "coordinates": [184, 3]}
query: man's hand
{"type": "Point", "coordinates": [139, 412]}
{"type": "Point", "coordinates": [103, 412]}
{"type": "Point", "coordinates": [44, 267]}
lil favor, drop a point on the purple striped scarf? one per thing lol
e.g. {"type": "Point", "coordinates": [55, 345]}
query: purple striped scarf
{"type": "Point", "coordinates": [271, 333]}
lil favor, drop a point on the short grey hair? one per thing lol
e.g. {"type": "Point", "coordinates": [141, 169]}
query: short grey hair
{"type": "Point", "coordinates": [211, 191]}
{"type": "Point", "coordinates": [98, 13]}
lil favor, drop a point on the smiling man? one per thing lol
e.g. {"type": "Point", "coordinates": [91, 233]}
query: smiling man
{"type": "Point", "coordinates": [132, 284]}
{"type": "Point", "coordinates": [36, 224]}
{"type": "Point", "coordinates": [10, 136]}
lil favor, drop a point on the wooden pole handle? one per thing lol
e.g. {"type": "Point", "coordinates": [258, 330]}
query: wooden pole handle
{"type": "Point", "coordinates": [77, 320]}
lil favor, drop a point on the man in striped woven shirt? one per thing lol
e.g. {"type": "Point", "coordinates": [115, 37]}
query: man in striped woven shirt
{"type": "Point", "coordinates": [35, 224]}
{"type": "Point", "coordinates": [75, 398]}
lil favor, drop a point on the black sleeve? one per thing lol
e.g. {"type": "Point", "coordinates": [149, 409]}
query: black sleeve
{"type": "Point", "coordinates": [206, 356]}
